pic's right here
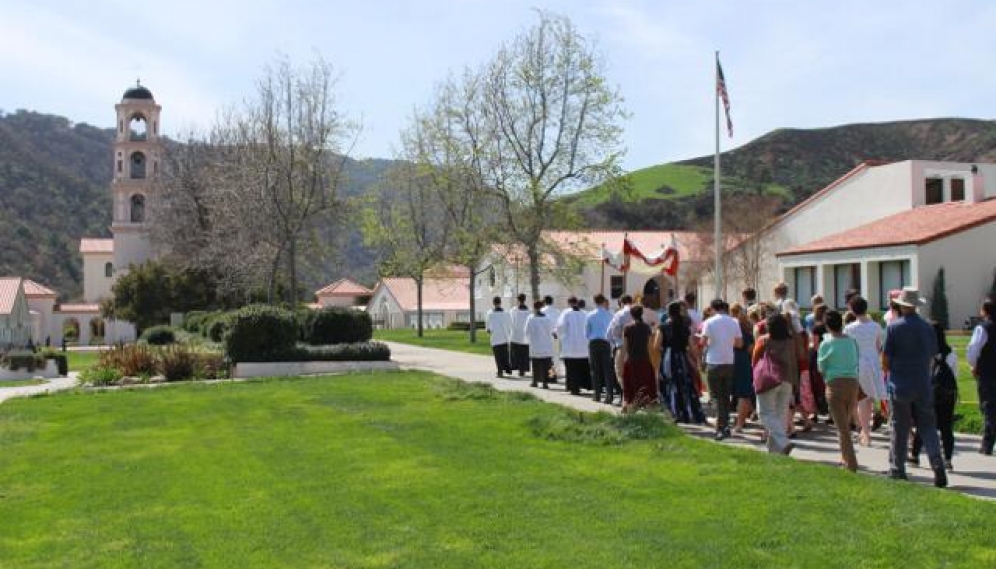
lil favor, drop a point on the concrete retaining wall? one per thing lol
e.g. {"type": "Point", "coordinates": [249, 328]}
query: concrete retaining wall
{"type": "Point", "coordinates": [272, 369]}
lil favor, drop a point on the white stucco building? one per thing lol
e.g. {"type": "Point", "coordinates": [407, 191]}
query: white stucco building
{"type": "Point", "coordinates": [884, 226]}
{"type": "Point", "coordinates": [394, 304]}
{"type": "Point", "coordinates": [15, 318]}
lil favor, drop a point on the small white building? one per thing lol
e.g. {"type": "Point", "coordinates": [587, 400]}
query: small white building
{"type": "Point", "coordinates": [394, 303]}
{"type": "Point", "coordinates": [343, 292]}
{"type": "Point", "coordinates": [15, 317]}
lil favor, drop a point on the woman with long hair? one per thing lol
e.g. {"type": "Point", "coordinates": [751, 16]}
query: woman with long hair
{"type": "Point", "coordinates": [743, 386]}
{"type": "Point", "coordinates": [678, 391]}
{"type": "Point", "coordinates": [773, 405]}
{"type": "Point", "coordinates": [639, 385]}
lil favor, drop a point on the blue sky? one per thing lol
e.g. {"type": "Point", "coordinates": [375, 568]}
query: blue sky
{"type": "Point", "coordinates": [788, 64]}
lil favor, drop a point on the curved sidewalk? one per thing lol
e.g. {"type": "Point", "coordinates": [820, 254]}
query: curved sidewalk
{"type": "Point", "coordinates": [973, 474]}
{"type": "Point", "coordinates": [50, 386]}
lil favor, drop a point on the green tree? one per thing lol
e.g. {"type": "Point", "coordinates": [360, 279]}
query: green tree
{"type": "Point", "coordinates": [939, 300]}
{"type": "Point", "coordinates": [150, 292]}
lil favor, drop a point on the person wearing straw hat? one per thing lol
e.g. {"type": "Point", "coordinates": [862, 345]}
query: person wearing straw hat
{"type": "Point", "coordinates": [910, 344]}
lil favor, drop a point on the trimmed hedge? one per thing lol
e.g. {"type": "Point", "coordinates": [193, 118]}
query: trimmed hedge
{"type": "Point", "coordinates": [22, 359]}
{"type": "Point", "coordinates": [159, 335]}
{"type": "Point", "coordinates": [465, 326]}
{"type": "Point", "coordinates": [260, 333]}
{"type": "Point", "coordinates": [337, 325]}
{"type": "Point", "coordinates": [217, 325]}
{"type": "Point", "coordinates": [61, 361]}
{"type": "Point", "coordinates": [358, 352]}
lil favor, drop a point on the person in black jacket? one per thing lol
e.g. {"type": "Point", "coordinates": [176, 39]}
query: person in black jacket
{"type": "Point", "coordinates": [982, 357]}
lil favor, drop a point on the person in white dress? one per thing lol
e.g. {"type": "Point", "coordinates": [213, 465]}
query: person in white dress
{"type": "Point", "coordinates": [499, 327]}
{"type": "Point", "coordinates": [519, 342]}
{"type": "Point", "coordinates": [554, 314]}
{"type": "Point", "coordinates": [539, 333]}
{"type": "Point", "coordinates": [574, 347]}
{"type": "Point", "coordinates": [869, 335]}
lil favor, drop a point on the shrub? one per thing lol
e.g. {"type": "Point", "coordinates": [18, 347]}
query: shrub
{"type": "Point", "coordinates": [131, 360]}
{"type": "Point", "coordinates": [194, 320]}
{"type": "Point", "coordinates": [465, 326]}
{"type": "Point", "coordinates": [100, 375]}
{"type": "Point", "coordinates": [25, 360]}
{"type": "Point", "coordinates": [159, 335]}
{"type": "Point", "coordinates": [358, 352]}
{"type": "Point", "coordinates": [210, 365]}
{"type": "Point", "coordinates": [216, 326]}
{"type": "Point", "coordinates": [61, 361]}
{"type": "Point", "coordinates": [177, 363]}
{"type": "Point", "coordinates": [338, 325]}
{"type": "Point", "coordinates": [260, 333]}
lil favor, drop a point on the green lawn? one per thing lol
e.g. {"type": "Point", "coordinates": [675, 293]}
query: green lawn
{"type": "Point", "coordinates": [20, 382]}
{"type": "Point", "coordinates": [458, 341]}
{"type": "Point", "coordinates": [412, 470]}
{"type": "Point", "coordinates": [79, 361]}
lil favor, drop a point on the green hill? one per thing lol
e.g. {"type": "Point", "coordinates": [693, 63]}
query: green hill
{"type": "Point", "coordinates": [787, 164]}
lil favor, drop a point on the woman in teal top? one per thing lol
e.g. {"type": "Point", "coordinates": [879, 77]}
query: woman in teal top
{"type": "Point", "coordinates": [838, 362]}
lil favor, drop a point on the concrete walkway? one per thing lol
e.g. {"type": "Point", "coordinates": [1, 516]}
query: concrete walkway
{"type": "Point", "coordinates": [973, 473]}
{"type": "Point", "coordinates": [50, 386]}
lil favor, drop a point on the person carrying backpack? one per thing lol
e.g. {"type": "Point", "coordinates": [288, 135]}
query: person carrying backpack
{"type": "Point", "coordinates": [942, 375]}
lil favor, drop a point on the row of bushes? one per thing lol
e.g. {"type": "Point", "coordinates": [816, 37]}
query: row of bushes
{"type": "Point", "coordinates": [332, 325]}
{"type": "Point", "coordinates": [173, 363]}
{"type": "Point", "coordinates": [263, 333]}
{"type": "Point", "coordinates": [30, 361]}
{"type": "Point", "coordinates": [465, 326]}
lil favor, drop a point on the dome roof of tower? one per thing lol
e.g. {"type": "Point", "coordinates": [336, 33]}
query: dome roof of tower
{"type": "Point", "coordinates": [138, 92]}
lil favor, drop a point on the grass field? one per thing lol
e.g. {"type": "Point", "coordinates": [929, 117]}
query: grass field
{"type": "Point", "coordinates": [412, 470]}
{"type": "Point", "coordinates": [458, 341]}
{"type": "Point", "coordinates": [20, 382]}
{"type": "Point", "coordinates": [80, 360]}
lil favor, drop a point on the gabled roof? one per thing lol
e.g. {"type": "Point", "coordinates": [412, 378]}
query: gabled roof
{"type": "Point", "coordinates": [865, 165]}
{"type": "Point", "coordinates": [88, 245]}
{"type": "Point", "coordinates": [9, 289]}
{"type": "Point", "coordinates": [917, 226]}
{"type": "Point", "coordinates": [344, 287]}
{"type": "Point", "coordinates": [35, 290]}
{"type": "Point", "coordinates": [692, 246]}
{"type": "Point", "coordinates": [438, 294]}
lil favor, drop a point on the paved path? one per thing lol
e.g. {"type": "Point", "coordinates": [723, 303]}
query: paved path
{"type": "Point", "coordinates": [50, 386]}
{"type": "Point", "coordinates": [974, 474]}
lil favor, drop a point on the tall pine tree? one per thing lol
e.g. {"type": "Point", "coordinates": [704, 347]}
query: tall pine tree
{"type": "Point", "coordinates": [939, 300]}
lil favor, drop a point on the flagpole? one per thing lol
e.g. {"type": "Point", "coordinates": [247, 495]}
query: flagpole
{"type": "Point", "coordinates": [717, 213]}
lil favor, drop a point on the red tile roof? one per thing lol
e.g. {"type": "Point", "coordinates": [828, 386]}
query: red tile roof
{"type": "Point", "coordinates": [344, 287]}
{"type": "Point", "coordinates": [88, 245]}
{"type": "Point", "coordinates": [77, 309]}
{"type": "Point", "coordinates": [437, 294]}
{"type": "Point", "coordinates": [692, 246]}
{"type": "Point", "coordinates": [35, 290]}
{"type": "Point", "coordinates": [9, 287]}
{"type": "Point", "coordinates": [914, 227]}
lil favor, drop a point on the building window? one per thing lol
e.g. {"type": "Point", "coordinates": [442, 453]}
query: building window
{"type": "Point", "coordinates": [805, 285]}
{"type": "Point", "coordinates": [893, 275]}
{"type": "Point", "coordinates": [137, 170]}
{"type": "Point", "coordinates": [109, 270]}
{"type": "Point", "coordinates": [136, 128]}
{"type": "Point", "coordinates": [934, 191]}
{"type": "Point", "coordinates": [616, 286]}
{"type": "Point", "coordinates": [845, 278]}
{"type": "Point", "coordinates": [119, 166]}
{"type": "Point", "coordinates": [957, 190]}
{"type": "Point", "coordinates": [137, 208]}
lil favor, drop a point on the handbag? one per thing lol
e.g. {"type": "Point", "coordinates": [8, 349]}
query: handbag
{"type": "Point", "coordinates": [765, 376]}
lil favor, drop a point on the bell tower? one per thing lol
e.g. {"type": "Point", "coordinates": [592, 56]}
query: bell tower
{"type": "Point", "coordinates": [137, 155]}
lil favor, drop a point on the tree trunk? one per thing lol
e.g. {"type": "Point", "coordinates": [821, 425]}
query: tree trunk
{"type": "Point", "coordinates": [271, 288]}
{"type": "Point", "coordinates": [534, 270]}
{"type": "Point", "coordinates": [418, 306]}
{"type": "Point", "coordinates": [473, 306]}
{"type": "Point", "coordinates": [292, 269]}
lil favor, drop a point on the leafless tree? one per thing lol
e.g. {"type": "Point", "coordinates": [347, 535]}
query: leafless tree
{"type": "Point", "coordinates": [555, 127]}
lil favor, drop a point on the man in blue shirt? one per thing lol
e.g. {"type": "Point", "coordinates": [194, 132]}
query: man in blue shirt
{"type": "Point", "coordinates": [600, 350]}
{"type": "Point", "coordinates": [910, 344]}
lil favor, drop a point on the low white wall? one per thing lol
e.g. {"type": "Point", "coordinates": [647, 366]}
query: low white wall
{"type": "Point", "coordinates": [51, 370]}
{"type": "Point", "coordinates": [272, 369]}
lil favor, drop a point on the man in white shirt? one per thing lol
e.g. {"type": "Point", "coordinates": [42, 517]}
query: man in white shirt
{"type": "Point", "coordinates": [520, 344]}
{"type": "Point", "coordinates": [553, 313]}
{"type": "Point", "coordinates": [693, 313]}
{"type": "Point", "coordinates": [499, 327]}
{"type": "Point", "coordinates": [722, 335]}
{"type": "Point", "coordinates": [574, 347]}
{"type": "Point", "coordinates": [539, 333]}
{"type": "Point", "coordinates": [981, 356]}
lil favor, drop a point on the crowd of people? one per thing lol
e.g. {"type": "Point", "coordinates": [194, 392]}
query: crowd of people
{"type": "Point", "coordinates": [761, 361]}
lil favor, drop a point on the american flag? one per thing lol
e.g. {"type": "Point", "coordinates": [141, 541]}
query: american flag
{"type": "Point", "coordinates": [721, 92]}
